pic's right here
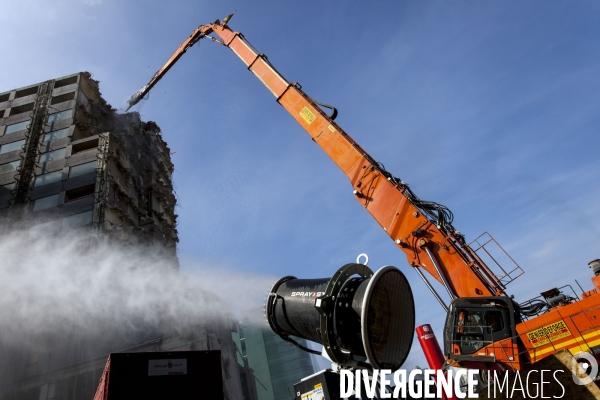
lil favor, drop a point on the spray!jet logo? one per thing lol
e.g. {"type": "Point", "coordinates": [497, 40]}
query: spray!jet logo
{"type": "Point", "coordinates": [308, 294]}
{"type": "Point", "coordinates": [586, 366]}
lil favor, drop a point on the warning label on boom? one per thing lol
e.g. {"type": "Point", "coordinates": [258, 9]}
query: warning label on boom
{"type": "Point", "coordinates": [307, 115]}
{"type": "Point", "coordinates": [549, 333]}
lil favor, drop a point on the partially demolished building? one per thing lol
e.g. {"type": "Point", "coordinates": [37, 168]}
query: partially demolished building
{"type": "Point", "coordinates": [68, 161]}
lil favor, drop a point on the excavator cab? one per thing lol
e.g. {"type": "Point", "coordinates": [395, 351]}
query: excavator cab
{"type": "Point", "coordinates": [475, 326]}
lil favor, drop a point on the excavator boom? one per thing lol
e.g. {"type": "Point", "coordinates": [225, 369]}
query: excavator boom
{"type": "Point", "coordinates": [198, 34]}
{"type": "Point", "coordinates": [484, 327]}
{"type": "Point", "coordinates": [422, 230]}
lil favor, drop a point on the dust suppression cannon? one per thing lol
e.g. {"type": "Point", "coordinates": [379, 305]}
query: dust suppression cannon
{"type": "Point", "coordinates": [362, 319]}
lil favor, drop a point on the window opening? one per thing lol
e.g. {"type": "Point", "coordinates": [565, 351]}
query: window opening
{"type": "Point", "coordinates": [12, 146]}
{"type": "Point", "coordinates": [62, 98]}
{"type": "Point", "coordinates": [16, 127]}
{"type": "Point", "coordinates": [6, 189]}
{"type": "Point", "coordinates": [52, 155]}
{"type": "Point", "coordinates": [26, 92]}
{"type": "Point", "coordinates": [9, 167]}
{"type": "Point", "coordinates": [77, 134]}
{"type": "Point", "coordinates": [48, 178]}
{"type": "Point", "coordinates": [82, 169]}
{"type": "Point", "coordinates": [79, 193]}
{"type": "Point", "coordinates": [493, 320]}
{"type": "Point", "coordinates": [84, 146]}
{"type": "Point", "coordinates": [470, 325]}
{"type": "Point", "coordinates": [65, 82]}
{"type": "Point", "coordinates": [21, 109]}
{"type": "Point", "coordinates": [45, 202]}
{"type": "Point", "coordinates": [60, 115]}
{"type": "Point", "coordinates": [77, 220]}
{"type": "Point", "coordinates": [59, 134]}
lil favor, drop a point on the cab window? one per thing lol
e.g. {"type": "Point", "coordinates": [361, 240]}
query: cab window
{"type": "Point", "coordinates": [470, 329]}
{"type": "Point", "coordinates": [494, 321]}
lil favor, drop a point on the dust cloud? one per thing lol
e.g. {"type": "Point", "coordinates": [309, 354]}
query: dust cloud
{"type": "Point", "coordinates": [60, 285]}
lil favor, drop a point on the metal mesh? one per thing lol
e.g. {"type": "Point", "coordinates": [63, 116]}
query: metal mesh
{"type": "Point", "coordinates": [390, 320]}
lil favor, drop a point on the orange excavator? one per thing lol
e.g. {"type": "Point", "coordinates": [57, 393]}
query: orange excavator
{"type": "Point", "coordinates": [485, 328]}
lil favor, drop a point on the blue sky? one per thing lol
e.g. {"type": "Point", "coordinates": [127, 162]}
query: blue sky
{"type": "Point", "coordinates": [491, 108]}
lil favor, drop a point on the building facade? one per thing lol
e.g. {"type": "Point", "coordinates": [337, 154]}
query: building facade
{"type": "Point", "coordinates": [69, 161]}
{"type": "Point", "coordinates": [275, 364]}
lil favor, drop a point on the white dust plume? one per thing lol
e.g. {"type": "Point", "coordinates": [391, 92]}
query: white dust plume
{"type": "Point", "coordinates": [67, 284]}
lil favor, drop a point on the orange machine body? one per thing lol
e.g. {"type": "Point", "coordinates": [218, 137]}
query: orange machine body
{"type": "Point", "coordinates": [575, 327]}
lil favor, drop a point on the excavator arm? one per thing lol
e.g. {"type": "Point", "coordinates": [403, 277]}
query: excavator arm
{"type": "Point", "coordinates": [199, 33]}
{"type": "Point", "coordinates": [422, 230]}
{"type": "Point", "coordinates": [483, 328]}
